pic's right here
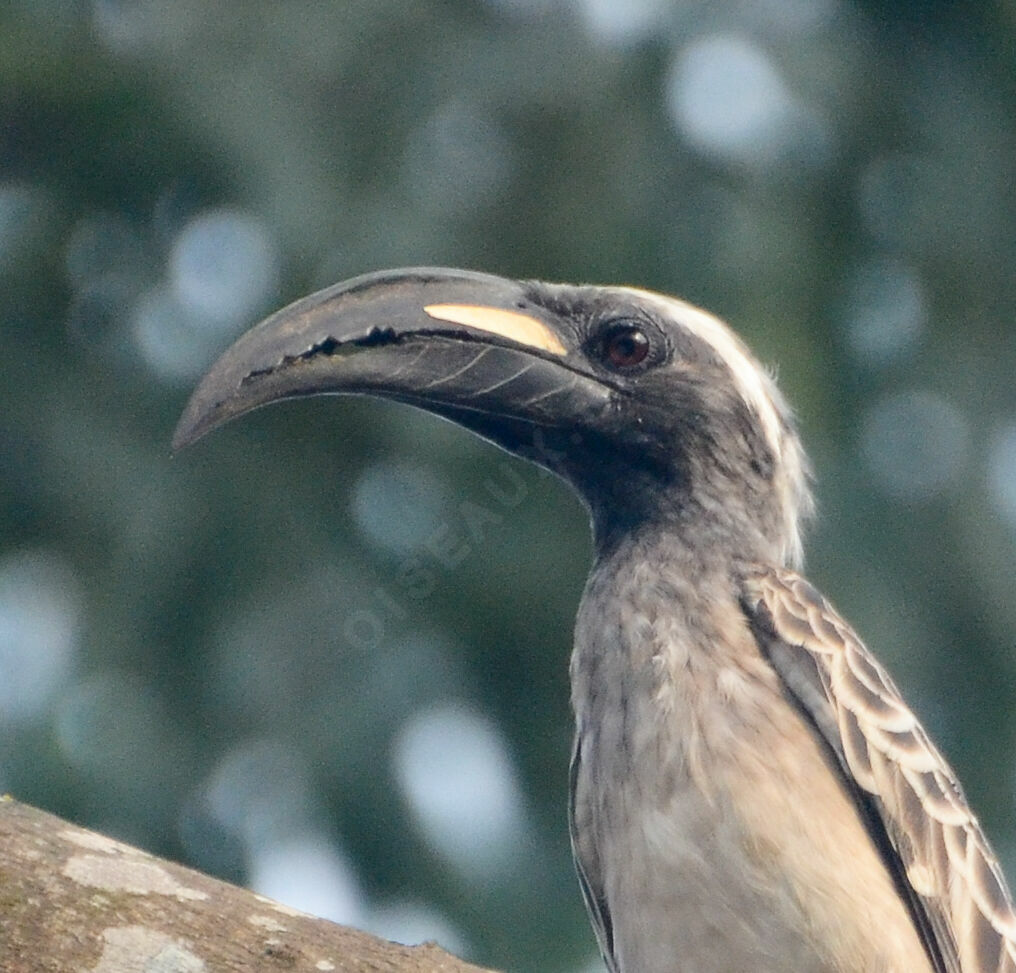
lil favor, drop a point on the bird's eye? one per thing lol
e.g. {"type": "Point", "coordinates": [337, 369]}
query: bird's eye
{"type": "Point", "coordinates": [624, 345]}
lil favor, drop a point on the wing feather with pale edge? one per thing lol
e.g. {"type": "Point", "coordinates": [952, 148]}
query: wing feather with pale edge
{"type": "Point", "coordinates": [941, 852]}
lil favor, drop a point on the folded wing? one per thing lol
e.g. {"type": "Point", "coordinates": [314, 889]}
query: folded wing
{"type": "Point", "coordinates": [907, 794]}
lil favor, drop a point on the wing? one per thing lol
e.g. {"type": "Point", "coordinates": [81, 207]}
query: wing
{"type": "Point", "coordinates": [584, 854]}
{"type": "Point", "coordinates": [907, 794]}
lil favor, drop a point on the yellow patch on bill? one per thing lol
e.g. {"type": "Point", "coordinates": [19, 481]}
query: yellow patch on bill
{"type": "Point", "coordinates": [513, 325]}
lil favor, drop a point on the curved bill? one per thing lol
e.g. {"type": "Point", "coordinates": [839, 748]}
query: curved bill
{"type": "Point", "coordinates": [469, 346]}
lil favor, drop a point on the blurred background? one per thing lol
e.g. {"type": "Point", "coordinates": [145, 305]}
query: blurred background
{"type": "Point", "coordinates": [325, 651]}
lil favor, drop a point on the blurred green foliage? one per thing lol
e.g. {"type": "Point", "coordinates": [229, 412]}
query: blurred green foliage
{"type": "Point", "coordinates": [293, 655]}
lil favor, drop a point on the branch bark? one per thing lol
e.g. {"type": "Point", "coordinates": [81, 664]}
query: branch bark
{"type": "Point", "coordinates": [73, 900]}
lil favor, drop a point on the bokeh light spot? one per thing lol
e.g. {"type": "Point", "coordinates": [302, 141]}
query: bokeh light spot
{"type": "Point", "coordinates": [458, 160]}
{"type": "Point", "coordinates": [622, 24]}
{"type": "Point", "coordinates": [885, 310]}
{"type": "Point", "coordinates": [915, 444]}
{"type": "Point", "coordinates": [136, 27]}
{"type": "Point", "coordinates": [398, 505]}
{"type": "Point", "coordinates": [25, 213]}
{"type": "Point", "coordinates": [224, 266]}
{"type": "Point", "coordinates": [455, 771]}
{"type": "Point", "coordinates": [308, 872]}
{"type": "Point", "coordinates": [39, 621]}
{"type": "Point", "coordinates": [1002, 471]}
{"type": "Point", "coordinates": [172, 338]}
{"type": "Point", "coordinates": [726, 96]}
{"type": "Point", "coordinates": [112, 724]}
{"type": "Point", "coordinates": [101, 244]}
{"type": "Point", "coordinates": [260, 789]}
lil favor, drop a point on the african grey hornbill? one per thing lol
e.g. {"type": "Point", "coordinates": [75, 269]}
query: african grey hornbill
{"type": "Point", "coordinates": [749, 792]}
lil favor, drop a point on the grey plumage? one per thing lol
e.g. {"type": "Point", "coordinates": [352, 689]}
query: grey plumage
{"type": "Point", "coordinates": [748, 789]}
{"type": "Point", "coordinates": [706, 815]}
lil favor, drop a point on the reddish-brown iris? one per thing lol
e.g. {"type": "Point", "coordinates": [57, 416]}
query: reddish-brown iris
{"type": "Point", "coordinates": [625, 346]}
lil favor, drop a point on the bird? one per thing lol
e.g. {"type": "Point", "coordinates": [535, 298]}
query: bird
{"type": "Point", "coordinates": [749, 791]}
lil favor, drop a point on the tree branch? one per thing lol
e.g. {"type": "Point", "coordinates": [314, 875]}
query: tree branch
{"type": "Point", "coordinates": [74, 900]}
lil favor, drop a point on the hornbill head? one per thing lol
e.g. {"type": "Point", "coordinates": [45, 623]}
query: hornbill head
{"type": "Point", "coordinates": [651, 408]}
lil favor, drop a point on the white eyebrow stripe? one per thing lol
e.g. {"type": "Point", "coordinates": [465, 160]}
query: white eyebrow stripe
{"type": "Point", "coordinates": [751, 380]}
